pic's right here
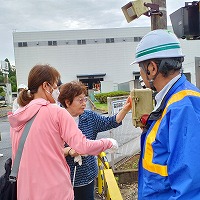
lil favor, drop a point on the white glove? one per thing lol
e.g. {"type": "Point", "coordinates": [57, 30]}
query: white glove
{"type": "Point", "coordinates": [114, 147]}
{"type": "Point", "coordinates": [78, 159]}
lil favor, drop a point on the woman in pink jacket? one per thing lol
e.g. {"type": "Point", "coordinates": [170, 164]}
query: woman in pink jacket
{"type": "Point", "coordinates": [43, 172]}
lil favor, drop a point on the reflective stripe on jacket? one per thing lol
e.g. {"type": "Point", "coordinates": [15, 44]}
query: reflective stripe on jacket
{"type": "Point", "coordinates": [169, 163]}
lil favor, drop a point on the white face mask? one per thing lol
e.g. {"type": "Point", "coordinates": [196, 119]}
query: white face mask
{"type": "Point", "coordinates": [54, 94]}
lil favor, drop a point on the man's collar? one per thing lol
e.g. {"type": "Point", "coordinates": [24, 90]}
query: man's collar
{"type": "Point", "coordinates": [160, 95]}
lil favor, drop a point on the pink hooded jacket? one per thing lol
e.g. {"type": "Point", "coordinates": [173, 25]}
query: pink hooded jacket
{"type": "Point", "coordinates": [43, 171]}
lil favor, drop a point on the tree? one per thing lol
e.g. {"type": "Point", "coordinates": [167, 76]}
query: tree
{"type": "Point", "coordinates": [12, 76]}
{"type": "Point", "coordinates": [2, 92]}
{"type": "Point", "coordinates": [1, 78]}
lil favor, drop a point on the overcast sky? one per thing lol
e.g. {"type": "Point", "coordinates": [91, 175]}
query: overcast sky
{"type": "Point", "coordinates": [48, 15]}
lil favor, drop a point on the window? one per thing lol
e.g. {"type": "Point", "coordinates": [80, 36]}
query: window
{"type": "Point", "coordinates": [52, 43]}
{"type": "Point", "coordinates": [110, 40]}
{"type": "Point", "coordinates": [79, 42]}
{"type": "Point", "coordinates": [137, 39]}
{"type": "Point", "coordinates": [22, 44]}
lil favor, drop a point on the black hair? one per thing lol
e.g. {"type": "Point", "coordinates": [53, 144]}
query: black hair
{"type": "Point", "coordinates": [167, 66]}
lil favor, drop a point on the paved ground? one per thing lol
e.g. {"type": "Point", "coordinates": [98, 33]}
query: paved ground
{"type": "Point", "coordinates": [5, 143]}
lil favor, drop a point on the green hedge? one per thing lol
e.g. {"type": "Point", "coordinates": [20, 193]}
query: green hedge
{"type": "Point", "coordinates": [2, 92]}
{"type": "Point", "coordinates": [102, 97]}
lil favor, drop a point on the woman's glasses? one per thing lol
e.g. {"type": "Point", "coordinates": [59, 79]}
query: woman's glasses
{"type": "Point", "coordinates": [81, 100]}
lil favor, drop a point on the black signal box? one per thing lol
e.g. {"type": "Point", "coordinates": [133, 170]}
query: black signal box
{"type": "Point", "coordinates": [186, 21]}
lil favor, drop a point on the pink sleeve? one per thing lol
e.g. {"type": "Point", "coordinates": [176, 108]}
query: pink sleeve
{"type": "Point", "coordinates": [76, 140]}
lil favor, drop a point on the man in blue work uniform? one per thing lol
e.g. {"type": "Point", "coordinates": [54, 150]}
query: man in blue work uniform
{"type": "Point", "coordinates": [170, 144]}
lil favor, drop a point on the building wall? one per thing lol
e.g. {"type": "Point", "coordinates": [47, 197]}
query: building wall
{"type": "Point", "coordinates": [94, 57]}
{"type": "Point", "coordinates": [190, 50]}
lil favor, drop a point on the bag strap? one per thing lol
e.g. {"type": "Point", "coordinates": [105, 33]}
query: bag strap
{"type": "Point", "coordinates": [15, 168]}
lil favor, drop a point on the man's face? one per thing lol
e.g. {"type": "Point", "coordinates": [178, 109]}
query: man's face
{"type": "Point", "coordinates": [143, 69]}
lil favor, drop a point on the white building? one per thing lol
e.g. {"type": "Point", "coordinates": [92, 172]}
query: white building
{"type": "Point", "coordinates": [91, 55]}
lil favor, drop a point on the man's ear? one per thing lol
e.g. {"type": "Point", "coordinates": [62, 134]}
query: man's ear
{"type": "Point", "coordinates": [152, 68]}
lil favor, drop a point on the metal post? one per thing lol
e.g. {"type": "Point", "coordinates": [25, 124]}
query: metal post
{"type": "Point", "coordinates": [1, 155]}
{"type": "Point", "coordinates": [157, 21]}
{"type": "Point", "coordinates": [197, 71]}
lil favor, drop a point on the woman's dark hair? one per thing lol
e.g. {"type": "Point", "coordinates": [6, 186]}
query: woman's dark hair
{"type": "Point", "coordinates": [37, 76]}
{"type": "Point", "coordinates": [69, 91]}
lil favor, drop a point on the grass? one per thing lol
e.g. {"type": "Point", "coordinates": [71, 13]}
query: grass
{"type": "Point", "coordinates": [101, 106]}
{"type": "Point", "coordinates": [132, 163]}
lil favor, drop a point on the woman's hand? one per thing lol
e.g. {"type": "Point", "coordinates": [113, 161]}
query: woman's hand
{"type": "Point", "coordinates": [128, 105]}
{"type": "Point", "coordinates": [126, 108]}
{"type": "Point", "coordinates": [68, 151]}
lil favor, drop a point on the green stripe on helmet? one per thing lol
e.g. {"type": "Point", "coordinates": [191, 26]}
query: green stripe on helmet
{"type": "Point", "coordinates": [157, 49]}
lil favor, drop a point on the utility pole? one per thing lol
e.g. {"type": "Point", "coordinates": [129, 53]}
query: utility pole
{"type": "Point", "coordinates": [159, 21]}
{"type": "Point", "coordinates": [7, 86]}
{"type": "Point", "coordinates": [197, 71]}
{"type": "Point", "coordinates": [156, 9]}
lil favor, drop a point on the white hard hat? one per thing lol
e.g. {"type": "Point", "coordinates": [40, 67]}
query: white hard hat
{"type": "Point", "coordinates": [159, 43]}
{"type": "Point", "coordinates": [22, 86]}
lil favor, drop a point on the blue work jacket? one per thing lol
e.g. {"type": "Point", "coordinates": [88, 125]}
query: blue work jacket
{"type": "Point", "coordinates": [169, 166]}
